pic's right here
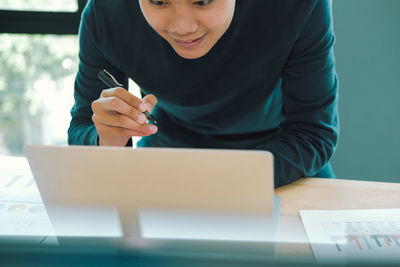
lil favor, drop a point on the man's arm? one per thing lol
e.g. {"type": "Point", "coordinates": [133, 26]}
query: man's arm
{"type": "Point", "coordinates": [310, 91]}
{"type": "Point", "coordinates": [87, 86]}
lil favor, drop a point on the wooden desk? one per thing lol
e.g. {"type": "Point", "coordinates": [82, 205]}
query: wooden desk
{"type": "Point", "coordinates": [326, 194]}
{"type": "Point", "coordinates": [306, 194]}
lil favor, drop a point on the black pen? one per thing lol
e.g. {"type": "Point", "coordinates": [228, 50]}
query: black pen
{"type": "Point", "coordinates": [111, 82]}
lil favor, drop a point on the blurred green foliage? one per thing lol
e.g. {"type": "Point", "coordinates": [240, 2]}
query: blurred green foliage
{"type": "Point", "coordinates": [24, 60]}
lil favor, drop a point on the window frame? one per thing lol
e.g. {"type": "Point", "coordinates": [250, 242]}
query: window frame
{"type": "Point", "coordinates": [41, 22]}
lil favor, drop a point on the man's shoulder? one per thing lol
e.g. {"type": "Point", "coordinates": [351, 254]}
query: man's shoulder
{"type": "Point", "coordinates": [111, 14]}
{"type": "Point", "coordinates": [299, 6]}
{"type": "Point", "coordinates": [287, 15]}
{"type": "Point", "coordinates": [116, 9]}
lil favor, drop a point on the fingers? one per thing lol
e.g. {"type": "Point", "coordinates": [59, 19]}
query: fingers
{"type": "Point", "coordinates": [150, 101]}
{"type": "Point", "coordinates": [114, 104]}
{"type": "Point", "coordinates": [124, 122]}
{"type": "Point", "coordinates": [115, 136]}
{"type": "Point", "coordinates": [118, 115]}
{"type": "Point", "coordinates": [117, 131]}
{"type": "Point", "coordinates": [124, 95]}
{"type": "Point", "coordinates": [121, 101]}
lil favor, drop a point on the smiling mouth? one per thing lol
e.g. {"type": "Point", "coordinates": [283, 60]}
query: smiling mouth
{"type": "Point", "coordinates": [190, 43]}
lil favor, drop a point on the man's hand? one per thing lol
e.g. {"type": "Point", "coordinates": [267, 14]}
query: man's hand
{"type": "Point", "coordinates": [117, 115]}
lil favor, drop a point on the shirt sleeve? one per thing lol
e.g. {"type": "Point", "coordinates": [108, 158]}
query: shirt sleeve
{"type": "Point", "coordinates": [309, 134]}
{"type": "Point", "coordinates": [87, 87]}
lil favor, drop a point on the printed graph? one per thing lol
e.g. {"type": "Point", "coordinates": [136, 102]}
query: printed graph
{"type": "Point", "coordinates": [364, 235]}
{"type": "Point", "coordinates": [21, 209]}
{"type": "Point", "coordinates": [16, 181]}
{"type": "Point", "coordinates": [342, 235]}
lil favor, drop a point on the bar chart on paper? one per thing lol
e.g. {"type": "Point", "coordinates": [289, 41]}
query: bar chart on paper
{"type": "Point", "coordinates": [363, 235]}
{"type": "Point", "coordinates": [353, 234]}
{"type": "Point", "coordinates": [22, 212]}
{"type": "Point", "coordinates": [16, 181]}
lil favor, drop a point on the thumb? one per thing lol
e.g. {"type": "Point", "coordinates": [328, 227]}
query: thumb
{"type": "Point", "coordinates": [150, 101]}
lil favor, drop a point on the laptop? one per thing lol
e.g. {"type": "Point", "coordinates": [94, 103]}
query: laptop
{"type": "Point", "coordinates": [160, 198]}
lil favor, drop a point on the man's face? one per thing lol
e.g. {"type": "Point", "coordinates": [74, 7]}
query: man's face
{"type": "Point", "coordinates": [191, 27]}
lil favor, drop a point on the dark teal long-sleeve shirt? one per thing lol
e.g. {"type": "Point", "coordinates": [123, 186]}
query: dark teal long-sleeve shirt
{"type": "Point", "coordinates": [269, 83]}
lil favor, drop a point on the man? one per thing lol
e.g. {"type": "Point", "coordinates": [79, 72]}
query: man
{"type": "Point", "coordinates": [240, 74]}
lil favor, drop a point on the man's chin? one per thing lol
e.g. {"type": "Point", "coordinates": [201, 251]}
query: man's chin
{"type": "Point", "coordinates": [191, 54]}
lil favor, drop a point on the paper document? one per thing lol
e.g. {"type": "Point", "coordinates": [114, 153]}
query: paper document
{"type": "Point", "coordinates": [22, 212]}
{"type": "Point", "coordinates": [346, 235]}
{"type": "Point", "coordinates": [16, 181]}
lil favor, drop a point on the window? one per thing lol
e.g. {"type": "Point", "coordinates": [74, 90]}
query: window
{"type": "Point", "coordinates": [40, 5]}
{"type": "Point", "coordinates": [37, 71]}
{"type": "Point", "coordinates": [36, 89]}
{"type": "Point", "coordinates": [40, 16]}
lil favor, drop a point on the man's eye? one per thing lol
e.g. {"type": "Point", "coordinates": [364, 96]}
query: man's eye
{"type": "Point", "coordinates": [203, 2]}
{"type": "Point", "coordinates": [158, 3]}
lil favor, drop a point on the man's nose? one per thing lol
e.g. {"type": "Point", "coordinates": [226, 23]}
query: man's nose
{"type": "Point", "coordinates": [182, 21]}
